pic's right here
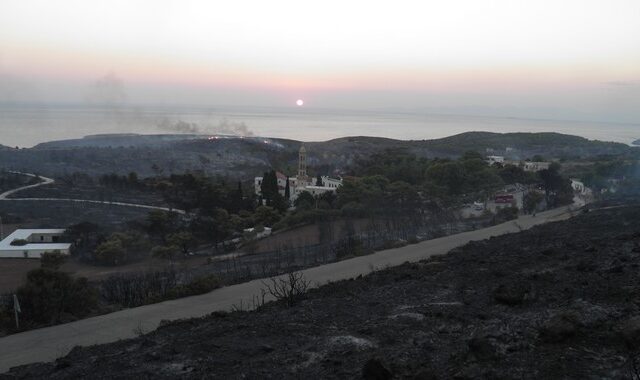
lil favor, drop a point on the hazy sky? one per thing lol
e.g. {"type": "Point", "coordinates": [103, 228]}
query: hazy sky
{"type": "Point", "coordinates": [575, 59]}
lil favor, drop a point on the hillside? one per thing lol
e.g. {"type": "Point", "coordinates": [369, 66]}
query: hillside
{"type": "Point", "coordinates": [549, 144]}
{"type": "Point", "coordinates": [125, 140]}
{"type": "Point", "coordinates": [246, 157]}
{"type": "Point", "coordinates": [557, 301]}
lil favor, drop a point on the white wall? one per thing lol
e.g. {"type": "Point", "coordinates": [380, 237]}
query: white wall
{"type": "Point", "coordinates": [31, 253]}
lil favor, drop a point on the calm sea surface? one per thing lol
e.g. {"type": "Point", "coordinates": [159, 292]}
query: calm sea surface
{"type": "Point", "coordinates": [26, 126]}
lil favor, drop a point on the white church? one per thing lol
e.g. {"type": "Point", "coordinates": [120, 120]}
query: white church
{"type": "Point", "coordinates": [301, 182]}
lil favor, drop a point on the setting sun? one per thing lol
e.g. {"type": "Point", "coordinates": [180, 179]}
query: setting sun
{"type": "Point", "coordinates": [299, 102]}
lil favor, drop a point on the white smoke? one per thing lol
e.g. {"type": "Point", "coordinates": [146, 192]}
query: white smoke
{"type": "Point", "coordinates": [223, 127]}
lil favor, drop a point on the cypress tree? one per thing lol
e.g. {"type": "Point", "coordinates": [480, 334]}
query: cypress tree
{"type": "Point", "coordinates": [287, 192]}
{"type": "Point", "coordinates": [238, 199]}
{"type": "Point", "coordinates": [269, 186]}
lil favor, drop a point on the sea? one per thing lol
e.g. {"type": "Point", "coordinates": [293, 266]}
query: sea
{"type": "Point", "coordinates": [26, 125]}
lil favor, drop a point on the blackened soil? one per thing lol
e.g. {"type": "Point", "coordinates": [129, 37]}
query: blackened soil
{"type": "Point", "coordinates": [558, 301]}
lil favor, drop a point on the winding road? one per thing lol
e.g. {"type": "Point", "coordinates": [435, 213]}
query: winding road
{"type": "Point", "coordinates": [46, 181]}
{"type": "Point", "coordinates": [49, 343]}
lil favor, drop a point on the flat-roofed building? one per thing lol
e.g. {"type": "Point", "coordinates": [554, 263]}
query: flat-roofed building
{"type": "Point", "coordinates": [533, 166]}
{"type": "Point", "coordinates": [32, 243]}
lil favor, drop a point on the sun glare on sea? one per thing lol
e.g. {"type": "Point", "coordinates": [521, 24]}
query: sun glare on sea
{"type": "Point", "coordinates": [299, 102]}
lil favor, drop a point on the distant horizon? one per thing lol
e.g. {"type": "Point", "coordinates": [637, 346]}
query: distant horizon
{"type": "Point", "coordinates": [65, 121]}
{"type": "Point", "coordinates": [426, 110]}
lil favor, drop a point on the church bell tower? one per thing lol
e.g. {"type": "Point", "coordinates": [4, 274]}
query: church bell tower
{"type": "Point", "coordinates": [302, 164]}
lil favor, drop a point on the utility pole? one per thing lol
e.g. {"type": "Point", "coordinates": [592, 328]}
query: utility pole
{"type": "Point", "coordinates": [1, 229]}
{"type": "Point", "coordinates": [16, 310]}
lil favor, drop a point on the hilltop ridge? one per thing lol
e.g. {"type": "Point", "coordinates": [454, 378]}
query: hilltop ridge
{"type": "Point", "coordinates": [242, 157]}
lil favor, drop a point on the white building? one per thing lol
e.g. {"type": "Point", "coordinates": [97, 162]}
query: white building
{"type": "Point", "coordinates": [495, 160]}
{"type": "Point", "coordinates": [579, 187]}
{"type": "Point", "coordinates": [259, 235]}
{"type": "Point", "coordinates": [38, 241]}
{"type": "Point", "coordinates": [302, 182]}
{"type": "Point", "coordinates": [532, 166]}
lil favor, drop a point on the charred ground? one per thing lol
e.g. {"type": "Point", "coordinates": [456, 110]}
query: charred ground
{"type": "Point", "coordinates": [559, 301]}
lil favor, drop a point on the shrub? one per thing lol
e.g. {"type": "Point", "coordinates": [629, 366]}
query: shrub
{"type": "Point", "coordinates": [349, 247]}
{"type": "Point", "coordinates": [290, 288]}
{"type": "Point", "coordinates": [200, 285]}
{"type": "Point", "coordinates": [506, 214]}
{"type": "Point", "coordinates": [19, 242]}
{"type": "Point", "coordinates": [135, 289]}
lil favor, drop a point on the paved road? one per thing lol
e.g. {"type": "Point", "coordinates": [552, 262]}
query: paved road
{"type": "Point", "coordinates": [49, 343]}
{"type": "Point", "coordinates": [45, 181]}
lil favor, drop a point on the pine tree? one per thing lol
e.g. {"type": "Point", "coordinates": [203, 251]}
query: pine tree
{"type": "Point", "coordinates": [319, 180]}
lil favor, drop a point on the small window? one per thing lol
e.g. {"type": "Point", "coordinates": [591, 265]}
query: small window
{"type": "Point", "coordinates": [26, 254]}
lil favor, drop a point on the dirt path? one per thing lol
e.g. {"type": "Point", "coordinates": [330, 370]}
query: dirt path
{"type": "Point", "coordinates": [47, 344]}
{"type": "Point", "coordinates": [45, 181]}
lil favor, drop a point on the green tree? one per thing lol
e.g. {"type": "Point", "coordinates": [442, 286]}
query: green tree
{"type": "Point", "coordinates": [237, 199]}
{"type": "Point", "coordinates": [48, 295]}
{"type": "Point", "coordinates": [329, 198]}
{"type": "Point", "coordinates": [557, 189]}
{"type": "Point", "coordinates": [85, 237]}
{"type": "Point", "coordinates": [269, 186]}
{"type": "Point", "coordinates": [184, 240]}
{"type": "Point", "coordinates": [236, 222]}
{"type": "Point", "coordinates": [266, 216]}
{"type": "Point", "coordinates": [511, 174]}
{"type": "Point", "coordinates": [133, 179]}
{"type": "Point", "coordinates": [279, 203]}
{"type": "Point", "coordinates": [215, 228]}
{"type": "Point", "coordinates": [403, 198]}
{"type": "Point", "coordinates": [160, 223]}
{"type": "Point", "coordinates": [110, 252]}
{"type": "Point", "coordinates": [505, 214]}
{"type": "Point", "coordinates": [52, 260]}
{"type": "Point", "coordinates": [168, 252]}
{"type": "Point", "coordinates": [304, 201]}
{"type": "Point", "coordinates": [472, 155]}
{"type": "Point", "coordinates": [249, 242]}
{"type": "Point", "coordinates": [531, 201]}
{"type": "Point", "coordinates": [287, 190]}
{"type": "Point", "coordinates": [448, 175]}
